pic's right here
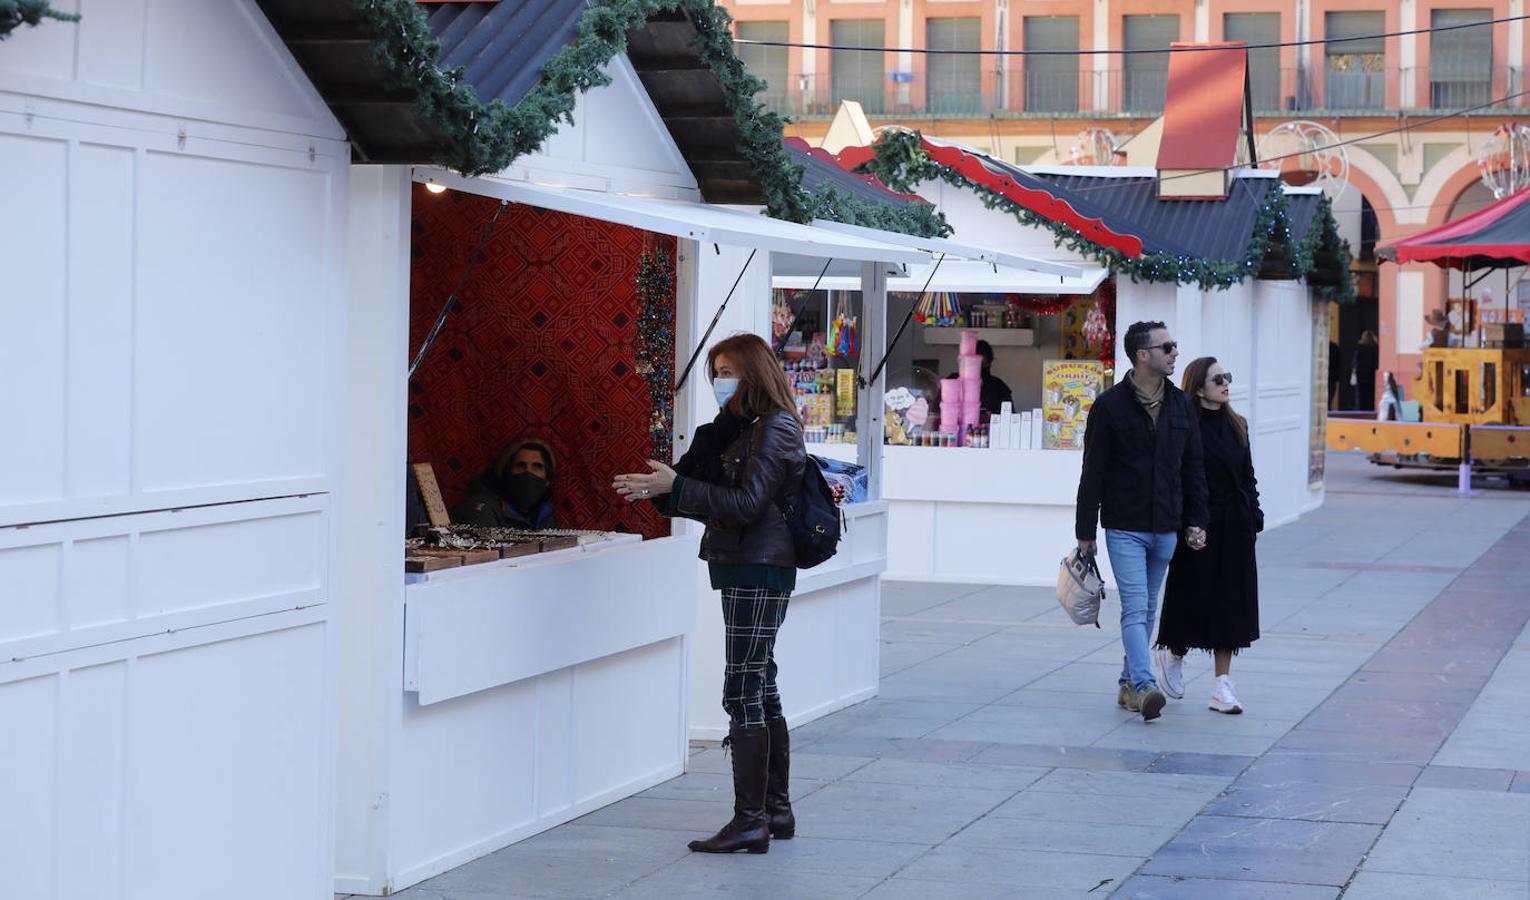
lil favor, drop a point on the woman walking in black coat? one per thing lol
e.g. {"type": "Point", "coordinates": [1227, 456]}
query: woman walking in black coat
{"type": "Point", "coordinates": [731, 478]}
{"type": "Point", "coordinates": [1211, 600]}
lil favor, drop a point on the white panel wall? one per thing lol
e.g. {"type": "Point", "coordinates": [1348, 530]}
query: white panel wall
{"type": "Point", "coordinates": [174, 221]}
{"type": "Point", "coordinates": [617, 143]}
{"type": "Point", "coordinates": [1282, 429]}
{"type": "Point", "coordinates": [991, 227]}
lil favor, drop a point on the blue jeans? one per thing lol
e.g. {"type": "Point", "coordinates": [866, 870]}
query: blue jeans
{"type": "Point", "coordinates": [1140, 559]}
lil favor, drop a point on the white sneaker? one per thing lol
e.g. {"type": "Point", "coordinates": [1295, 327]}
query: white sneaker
{"type": "Point", "coordinates": [1223, 700]}
{"type": "Point", "coordinates": [1172, 670]}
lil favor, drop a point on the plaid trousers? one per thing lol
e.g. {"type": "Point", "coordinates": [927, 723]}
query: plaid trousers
{"type": "Point", "coordinates": [751, 617]}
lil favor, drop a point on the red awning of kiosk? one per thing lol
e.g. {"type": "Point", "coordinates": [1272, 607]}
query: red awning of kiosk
{"type": "Point", "coordinates": [1495, 237]}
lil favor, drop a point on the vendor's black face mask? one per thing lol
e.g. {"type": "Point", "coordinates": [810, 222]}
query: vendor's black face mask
{"type": "Point", "coordinates": [525, 490]}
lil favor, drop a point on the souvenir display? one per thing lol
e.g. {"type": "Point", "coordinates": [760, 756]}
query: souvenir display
{"type": "Point", "coordinates": [432, 548]}
{"type": "Point", "coordinates": [938, 308]}
{"type": "Point", "coordinates": [844, 331]}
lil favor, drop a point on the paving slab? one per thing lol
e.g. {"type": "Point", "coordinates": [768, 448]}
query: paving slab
{"type": "Point", "coordinates": [1455, 833]}
{"type": "Point", "coordinates": [1020, 868]}
{"type": "Point", "coordinates": [697, 877]}
{"type": "Point", "coordinates": [1389, 886]}
{"type": "Point", "coordinates": [1106, 838]}
{"type": "Point", "coordinates": [1463, 778]}
{"type": "Point", "coordinates": [899, 813]}
{"type": "Point", "coordinates": [1156, 887]}
{"type": "Point", "coordinates": [1318, 802]}
{"type": "Point", "coordinates": [1287, 851]}
{"type": "Point", "coordinates": [900, 887]}
{"type": "Point", "coordinates": [961, 775]}
{"type": "Point", "coordinates": [1102, 809]}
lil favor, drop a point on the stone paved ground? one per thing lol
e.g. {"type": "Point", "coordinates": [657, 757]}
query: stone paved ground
{"type": "Point", "coordinates": [1384, 753]}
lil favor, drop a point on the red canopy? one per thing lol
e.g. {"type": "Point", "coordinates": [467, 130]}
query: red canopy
{"type": "Point", "coordinates": [1497, 237]}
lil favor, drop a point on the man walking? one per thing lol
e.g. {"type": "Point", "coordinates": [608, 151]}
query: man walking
{"type": "Point", "coordinates": [1143, 480]}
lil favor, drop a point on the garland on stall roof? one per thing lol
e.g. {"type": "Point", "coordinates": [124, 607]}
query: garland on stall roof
{"type": "Point", "coordinates": [913, 217]}
{"type": "Point", "coordinates": [900, 162]}
{"type": "Point", "coordinates": [654, 351]}
{"type": "Point", "coordinates": [483, 138]}
{"type": "Point", "coordinates": [16, 13]}
{"type": "Point", "coordinates": [1323, 236]}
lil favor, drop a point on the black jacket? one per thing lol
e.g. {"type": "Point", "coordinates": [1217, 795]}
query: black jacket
{"type": "Point", "coordinates": [731, 478]}
{"type": "Point", "coordinates": [1211, 598]}
{"type": "Point", "coordinates": [1137, 477]}
{"type": "Point", "coordinates": [486, 504]}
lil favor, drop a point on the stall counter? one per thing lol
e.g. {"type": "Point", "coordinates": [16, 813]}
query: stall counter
{"type": "Point", "coordinates": [509, 683]}
{"type": "Point", "coordinates": [980, 516]}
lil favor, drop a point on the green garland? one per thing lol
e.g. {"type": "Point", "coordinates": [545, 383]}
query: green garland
{"type": "Point", "coordinates": [900, 162]}
{"type": "Point", "coordinates": [915, 217]}
{"type": "Point", "coordinates": [16, 13]}
{"type": "Point", "coordinates": [487, 138]}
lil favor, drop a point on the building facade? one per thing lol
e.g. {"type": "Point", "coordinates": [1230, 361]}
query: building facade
{"type": "Point", "coordinates": [1071, 106]}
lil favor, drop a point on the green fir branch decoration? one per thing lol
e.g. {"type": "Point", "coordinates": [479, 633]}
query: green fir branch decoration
{"type": "Point", "coordinates": [901, 163]}
{"type": "Point", "coordinates": [483, 138]}
{"type": "Point", "coordinates": [16, 13]}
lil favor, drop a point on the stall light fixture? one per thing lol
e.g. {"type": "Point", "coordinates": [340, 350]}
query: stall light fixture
{"type": "Point", "coordinates": [435, 188]}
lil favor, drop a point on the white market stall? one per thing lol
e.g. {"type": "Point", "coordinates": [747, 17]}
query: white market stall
{"type": "Point", "coordinates": [173, 319]}
{"type": "Point", "coordinates": [557, 683]}
{"type": "Point", "coordinates": [1006, 515]}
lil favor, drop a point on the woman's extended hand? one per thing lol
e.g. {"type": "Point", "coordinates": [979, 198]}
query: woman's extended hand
{"type": "Point", "coordinates": [660, 479]}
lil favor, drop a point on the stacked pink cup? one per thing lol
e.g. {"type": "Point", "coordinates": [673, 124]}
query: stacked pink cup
{"type": "Point", "coordinates": [970, 367]}
{"type": "Point", "coordinates": [951, 406]}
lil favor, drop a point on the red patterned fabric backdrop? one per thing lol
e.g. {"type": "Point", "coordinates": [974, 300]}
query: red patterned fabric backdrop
{"type": "Point", "coordinates": [541, 342]}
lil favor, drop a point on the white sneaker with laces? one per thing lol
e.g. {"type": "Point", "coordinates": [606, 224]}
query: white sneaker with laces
{"type": "Point", "coordinates": [1223, 700]}
{"type": "Point", "coordinates": [1172, 669]}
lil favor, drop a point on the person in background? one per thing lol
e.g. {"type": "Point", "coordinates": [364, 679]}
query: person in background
{"type": "Point", "coordinates": [1390, 407]}
{"type": "Point", "coordinates": [1438, 326]}
{"type": "Point", "coordinates": [995, 392]}
{"type": "Point", "coordinates": [1367, 360]}
{"type": "Point", "coordinates": [1211, 600]}
{"type": "Point", "coordinates": [1335, 366]}
{"type": "Point", "coordinates": [1143, 481]}
{"type": "Point", "coordinates": [737, 470]}
{"type": "Point", "coordinates": [516, 491]}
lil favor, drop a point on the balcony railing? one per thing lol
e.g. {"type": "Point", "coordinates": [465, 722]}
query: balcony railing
{"type": "Point", "coordinates": [1038, 94]}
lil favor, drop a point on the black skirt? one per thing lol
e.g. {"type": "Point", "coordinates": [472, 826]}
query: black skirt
{"type": "Point", "coordinates": [1211, 600]}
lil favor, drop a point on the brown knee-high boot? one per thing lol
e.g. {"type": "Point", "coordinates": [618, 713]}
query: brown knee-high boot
{"type": "Point", "coordinates": [749, 829]}
{"type": "Point", "coordinates": [778, 801]}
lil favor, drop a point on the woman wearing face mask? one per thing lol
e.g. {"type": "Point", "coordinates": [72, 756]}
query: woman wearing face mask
{"type": "Point", "coordinates": [515, 492]}
{"type": "Point", "coordinates": [1211, 600]}
{"type": "Point", "coordinates": [732, 478]}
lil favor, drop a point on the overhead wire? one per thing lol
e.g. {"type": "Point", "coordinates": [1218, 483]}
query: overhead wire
{"type": "Point", "coordinates": [1187, 48]}
{"type": "Point", "coordinates": [1340, 143]}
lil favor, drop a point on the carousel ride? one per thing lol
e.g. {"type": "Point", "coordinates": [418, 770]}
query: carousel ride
{"type": "Point", "coordinates": [1474, 387]}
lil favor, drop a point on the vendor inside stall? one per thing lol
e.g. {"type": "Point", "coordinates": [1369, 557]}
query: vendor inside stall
{"type": "Point", "coordinates": [516, 491]}
{"type": "Point", "coordinates": [542, 366]}
{"type": "Point", "coordinates": [995, 392]}
{"type": "Point", "coordinates": [1023, 368]}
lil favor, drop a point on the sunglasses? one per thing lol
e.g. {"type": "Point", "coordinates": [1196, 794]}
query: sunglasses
{"type": "Point", "coordinates": [1219, 380]}
{"type": "Point", "coordinates": [1166, 346]}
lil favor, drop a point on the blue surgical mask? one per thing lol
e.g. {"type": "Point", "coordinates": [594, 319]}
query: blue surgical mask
{"type": "Point", "coordinates": [724, 389]}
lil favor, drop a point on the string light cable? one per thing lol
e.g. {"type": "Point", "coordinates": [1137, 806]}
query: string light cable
{"type": "Point", "coordinates": [1191, 48]}
{"type": "Point", "coordinates": [1421, 123]}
